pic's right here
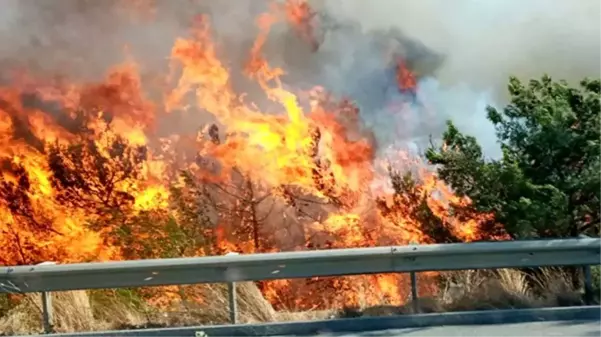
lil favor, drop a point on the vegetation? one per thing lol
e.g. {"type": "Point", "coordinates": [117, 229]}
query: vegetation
{"type": "Point", "coordinates": [546, 184]}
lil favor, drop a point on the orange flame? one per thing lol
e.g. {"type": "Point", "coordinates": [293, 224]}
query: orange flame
{"type": "Point", "coordinates": [82, 167]}
{"type": "Point", "coordinates": [405, 78]}
{"type": "Point", "coordinates": [302, 18]}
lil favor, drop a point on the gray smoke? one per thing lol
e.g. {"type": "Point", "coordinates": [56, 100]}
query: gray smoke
{"type": "Point", "coordinates": [463, 51]}
{"type": "Point", "coordinates": [486, 41]}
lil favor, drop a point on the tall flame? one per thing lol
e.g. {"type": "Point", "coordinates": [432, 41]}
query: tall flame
{"type": "Point", "coordinates": [82, 165]}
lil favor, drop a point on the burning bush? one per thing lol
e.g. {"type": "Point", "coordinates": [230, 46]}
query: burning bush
{"type": "Point", "coordinates": [89, 174]}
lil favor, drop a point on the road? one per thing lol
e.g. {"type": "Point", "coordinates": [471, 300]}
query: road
{"type": "Point", "coordinates": [560, 328]}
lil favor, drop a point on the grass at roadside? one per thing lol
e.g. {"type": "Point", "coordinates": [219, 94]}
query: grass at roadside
{"type": "Point", "coordinates": [462, 290]}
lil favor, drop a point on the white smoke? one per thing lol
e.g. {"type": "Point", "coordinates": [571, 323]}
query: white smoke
{"type": "Point", "coordinates": [483, 43]}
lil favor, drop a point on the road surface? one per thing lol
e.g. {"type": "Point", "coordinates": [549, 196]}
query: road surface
{"type": "Point", "coordinates": [560, 328]}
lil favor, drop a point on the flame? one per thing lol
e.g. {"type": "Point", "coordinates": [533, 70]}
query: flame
{"type": "Point", "coordinates": [82, 166]}
{"type": "Point", "coordinates": [406, 80]}
{"type": "Point", "coordinates": [302, 18]}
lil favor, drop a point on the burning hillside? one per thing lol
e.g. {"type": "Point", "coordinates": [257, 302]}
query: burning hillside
{"type": "Point", "coordinates": [96, 170]}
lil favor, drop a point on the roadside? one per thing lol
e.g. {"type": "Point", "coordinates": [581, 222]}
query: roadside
{"type": "Point", "coordinates": [77, 311]}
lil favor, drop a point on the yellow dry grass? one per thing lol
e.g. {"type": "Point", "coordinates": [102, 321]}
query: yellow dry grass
{"type": "Point", "coordinates": [214, 308]}
{"type": "Point", "coordinates": [78, 311]}
{"type": "Point", "coordinates": [484, 290]}
{"type": "Point", "coordinates": [506, 289]}
{"type": "Point", "coordinates": [72, 311]}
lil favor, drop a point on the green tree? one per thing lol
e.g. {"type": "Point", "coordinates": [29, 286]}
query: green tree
{"type": "Point", "coordinates": [547, 182]}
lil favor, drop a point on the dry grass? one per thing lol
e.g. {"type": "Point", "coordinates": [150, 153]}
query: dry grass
{"type": "Point", "coordinates": [78, 311]}
{"type": "Point", "coordinates": [214, 309]}
{"type": "Point", "coordinates": [72, 311]}
{"type": "Point", "coordinates": [487, 290]}
{"type": "Point", "coordinates": [289, 316]}
{"type": "Point", "coordinates": [509, 289]}
{"type": "Point", "coordinates": [463, 290]}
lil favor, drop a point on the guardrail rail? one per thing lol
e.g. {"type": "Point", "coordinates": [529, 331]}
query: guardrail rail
{"type": "Point", "coordinates": [49, 277]}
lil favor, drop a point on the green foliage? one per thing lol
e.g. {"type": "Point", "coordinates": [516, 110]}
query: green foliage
{"type": "Point", "coordinates": [547, 183]}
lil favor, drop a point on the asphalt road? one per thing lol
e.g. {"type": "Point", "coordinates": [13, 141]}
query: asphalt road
{"type": "Point", "coordinates": [560, 328]}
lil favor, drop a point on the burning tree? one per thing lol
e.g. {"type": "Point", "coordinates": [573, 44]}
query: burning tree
{"type": "Point", "coordinates": [101, 177]}
{"type": "Point", "coordinates": [88, 174]}
{"type": "Point", "coordinates": [15, 197]}
{"type": "Point", "coordinates": [94, 176]}
{"type": "Point", "coordinates": [239, 204]}
{"type": "Point", "coordinates": [410, 201]}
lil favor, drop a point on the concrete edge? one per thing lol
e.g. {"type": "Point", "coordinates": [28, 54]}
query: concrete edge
{"type": "Point", "coordinates": [364, 323]}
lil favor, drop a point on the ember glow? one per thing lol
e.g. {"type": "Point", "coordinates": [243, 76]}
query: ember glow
{"type": "Point", "coordinates": [86, 175]}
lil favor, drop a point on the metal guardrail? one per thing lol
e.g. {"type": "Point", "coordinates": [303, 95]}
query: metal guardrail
{"type": "Point", "coordinates": [336, 262]}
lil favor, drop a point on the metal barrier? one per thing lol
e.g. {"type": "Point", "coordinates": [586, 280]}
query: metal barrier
{"type": "Point", "coordinates": [47, 277]}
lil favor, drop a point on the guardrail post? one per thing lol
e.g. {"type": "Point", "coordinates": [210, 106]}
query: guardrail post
{"type": "Point", "coordinates": [414, 295]}
{"type": "Point", "coordinates": [588, 279]}
{"type": "Point", "coordinates": [231, 287]}
{"type": "Point", "coordinates": [47, 314]}
{"type": "Point", "coordinates": [588, 285]}
{"type": "Point", "coordinates": [232, 299]}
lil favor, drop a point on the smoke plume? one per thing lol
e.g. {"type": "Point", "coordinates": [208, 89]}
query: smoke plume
{"type": "Point", "coordinates": [462, 51]}
{"type": "Point", "coordinates": [486, 41]}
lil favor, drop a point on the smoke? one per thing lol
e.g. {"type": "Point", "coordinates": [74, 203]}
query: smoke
{"type": "Point", "coordinates": [483, 43]}
{"type": "Point", "coordinates": [462, 51]}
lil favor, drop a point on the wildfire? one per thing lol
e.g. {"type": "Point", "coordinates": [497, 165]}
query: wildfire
{"type": "Point", "coordinates": [84, 175]}
{"type": "Point", "coordinates": [302, 18]}
{"type": "Point", "coordinates": [405, 77]}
